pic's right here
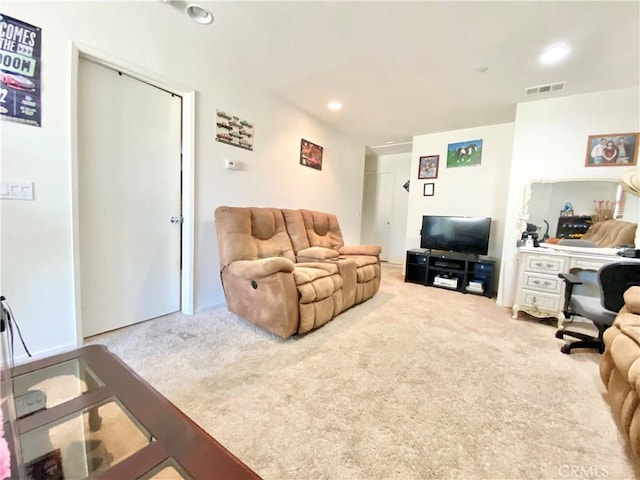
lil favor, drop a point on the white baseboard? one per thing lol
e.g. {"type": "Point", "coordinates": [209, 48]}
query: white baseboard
{"type": "Point", "coordinates": [22, 357]}
{"type": "Point", "coordinates": [208, 308]}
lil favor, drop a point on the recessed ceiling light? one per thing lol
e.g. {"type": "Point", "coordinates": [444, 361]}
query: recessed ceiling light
{"type": "Point", "coordinates": [554, 54]}
{"type": "Point", "coordinates": [198, 13]}
{"type": "Point", "coordinates": [389, 142]}
{"type": "Point", "coordinates": [335, 105]}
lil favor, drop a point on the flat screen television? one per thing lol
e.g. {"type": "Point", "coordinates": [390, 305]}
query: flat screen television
{"type": "Point", "coordinates": [456, 234]}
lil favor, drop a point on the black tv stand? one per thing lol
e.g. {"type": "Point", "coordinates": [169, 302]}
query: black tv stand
{"type": "Point", "coordinates": [466, 273]}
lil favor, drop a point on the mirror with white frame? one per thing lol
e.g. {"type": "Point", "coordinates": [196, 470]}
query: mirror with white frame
{"type": "Point", "coordinates": [545, 201]}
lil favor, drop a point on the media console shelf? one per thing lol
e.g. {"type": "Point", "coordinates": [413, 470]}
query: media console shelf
{"type": "Point", "coordinates": [455, 271]}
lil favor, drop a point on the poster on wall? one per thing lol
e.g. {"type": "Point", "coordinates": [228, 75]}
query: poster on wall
{"type": "Point", "coordinates": [20, 48]}
{"type": "Point", "coordinates": [310, 154]}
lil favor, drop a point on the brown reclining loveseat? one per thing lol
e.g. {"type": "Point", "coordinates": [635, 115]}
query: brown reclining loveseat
{"type": "Point", "coordinates": [288, 271]}
{"type": "Point", "coordinates": [620, 368]}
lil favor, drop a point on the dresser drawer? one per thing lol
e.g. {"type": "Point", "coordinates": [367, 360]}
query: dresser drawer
{"type": "Point", "coordinates": [587, 263]}
{"type": "Point", "coordinates": [539, 300]}
{"type": "Point", "coordinates": [542, 283]}
{"type": "Point", "coordinates": [544, 264]}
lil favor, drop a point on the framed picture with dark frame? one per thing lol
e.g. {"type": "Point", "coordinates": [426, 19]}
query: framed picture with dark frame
{"type": "Point", "coordinates": [429, 189]}
{"type": "Point", "coordinates": [310, 154]}
{"type": "Point", "coordinates": [612, 149]}
{"type": "Point", "coordinates": [428, 167]}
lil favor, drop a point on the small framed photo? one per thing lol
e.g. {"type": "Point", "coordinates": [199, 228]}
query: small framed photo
{"type": "Point", "coordinates": [428, 167]}
{"type": "Point", "coordinates": [613, 149]}
{"type": "Point", "coordinates": [429, 189]}
{"type": "Point", "coordinates": [310, 154]}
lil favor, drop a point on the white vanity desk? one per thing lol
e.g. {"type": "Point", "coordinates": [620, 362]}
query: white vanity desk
{"type": "Point", "coordinates": [539, 290]}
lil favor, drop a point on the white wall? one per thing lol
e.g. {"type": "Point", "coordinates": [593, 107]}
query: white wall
{"type": "Point", "coordinates": [37, 262]}
{"type": "Point", "coordinates": [550, 142]}
{"type": "Point", "coordinates": [478, 191]}
{"type": "Point", "coordinates": [398, 165]}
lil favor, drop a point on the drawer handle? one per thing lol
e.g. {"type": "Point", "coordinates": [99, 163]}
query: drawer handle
{"type": "Point", "coordinates": [544, 265]}
{"type": "Point", "coordinates": [546, 283]}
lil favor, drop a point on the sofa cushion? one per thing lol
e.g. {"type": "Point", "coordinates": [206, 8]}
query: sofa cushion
{"type": "Point", "coordinates": [366, 273]}
{"type": "Point", "coordinates": [321, 253]}
{"type": "Point", "coordinates": [632, 300]}
{"type": "Point", "coordinates": [319, 289]}
{"type": "Point", "coordinates": [295, 228]}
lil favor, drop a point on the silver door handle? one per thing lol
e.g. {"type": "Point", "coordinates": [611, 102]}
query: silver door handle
{"type": "Point", "coordinates": [177, 219]}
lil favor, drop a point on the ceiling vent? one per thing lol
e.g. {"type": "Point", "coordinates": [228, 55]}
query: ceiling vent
{"type": "Point", "coordinates": [540, 89]}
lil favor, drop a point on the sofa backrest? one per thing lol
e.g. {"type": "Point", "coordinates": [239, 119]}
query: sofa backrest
{"type": "Point", "coordinates": [295, 227]}
{"type": "Point", "coordinates": [322, 229]}
{"type": "Point", "coordinates": [251, 234]}
{"type": "Point", "coordinates": [612, 233]}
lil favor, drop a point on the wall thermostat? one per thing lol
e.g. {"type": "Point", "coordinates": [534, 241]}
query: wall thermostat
{"type": "Point", "coordinates": [231, 164]}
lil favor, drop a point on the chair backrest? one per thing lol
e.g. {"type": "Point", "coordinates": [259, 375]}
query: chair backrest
{"type": "Point", "coordinates": [614, 279]}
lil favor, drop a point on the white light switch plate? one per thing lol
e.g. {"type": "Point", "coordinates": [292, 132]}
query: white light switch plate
{"type": "Point", "coordinates": [16, 190]}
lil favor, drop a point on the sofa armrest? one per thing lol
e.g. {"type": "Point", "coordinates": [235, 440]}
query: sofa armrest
{"type": "Point", "coordinates": [251, 269]}
{"type": "Point", "coordinates": [318, 253]}
{"type": "Point", "coordinates": [330, 267]}
{"type": "Point", "coordinates": [360, 250]}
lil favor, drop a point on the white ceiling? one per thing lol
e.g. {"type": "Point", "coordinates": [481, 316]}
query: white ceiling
{"type": "Point", "coordinates": [410, 68]}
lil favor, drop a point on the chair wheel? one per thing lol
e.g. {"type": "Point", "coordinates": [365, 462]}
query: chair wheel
{"type": "Point", "coordinates": [565, 349]}
{"type": "Point", "coordinates": [559, 334]}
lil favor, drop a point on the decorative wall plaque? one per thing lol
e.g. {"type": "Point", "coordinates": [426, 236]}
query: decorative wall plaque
{"type": "Point", "coordinates": [233, 130]}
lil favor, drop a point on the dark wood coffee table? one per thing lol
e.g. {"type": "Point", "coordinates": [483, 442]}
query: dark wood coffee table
{"type": "Point", "coordinates": [103, 420]}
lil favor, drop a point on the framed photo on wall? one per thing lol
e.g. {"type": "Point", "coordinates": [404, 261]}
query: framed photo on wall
{"type": "Point", "coordinates": [429, 189]}
{"type": "Point", "coordinates": [428, 167]}
{"type": "Point", "coordinates": [310, 154]}
{"type": "Point", "coordinates": [613, 149]}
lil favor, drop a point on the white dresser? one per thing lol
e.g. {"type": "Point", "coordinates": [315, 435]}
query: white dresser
{"type": "Point", "coordinates": [539, 291]}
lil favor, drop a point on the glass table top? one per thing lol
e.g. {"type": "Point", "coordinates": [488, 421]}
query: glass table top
{"type": "Point", "coordinates": [85, 443]}
{"type": "Point", "coordinates": [52, 386]}
{"type": "Point", "coordinates": [85, 414]}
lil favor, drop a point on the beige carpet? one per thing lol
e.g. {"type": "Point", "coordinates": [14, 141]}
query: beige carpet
{"type": "Point", "coordinates": [417, 382]}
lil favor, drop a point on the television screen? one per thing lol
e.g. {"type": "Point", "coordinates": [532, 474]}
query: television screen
{"type": "Point", "coordinates": [456, 234]}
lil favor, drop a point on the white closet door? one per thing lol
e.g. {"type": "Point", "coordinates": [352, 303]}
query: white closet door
{"type": "Point", "coordinates": [129, 176]}
{"type": "Point", "coordinates": [377, 210]}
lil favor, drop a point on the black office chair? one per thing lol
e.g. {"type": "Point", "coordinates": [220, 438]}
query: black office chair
{"type": "Point", "coordinates": [613, 281]}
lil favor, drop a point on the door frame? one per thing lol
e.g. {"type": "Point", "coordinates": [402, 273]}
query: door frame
{"type": "Point", "coordinates": [79, 50]}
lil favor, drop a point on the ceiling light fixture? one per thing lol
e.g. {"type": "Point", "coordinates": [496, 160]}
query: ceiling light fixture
{"type": "Point", "coordinates": [554, 54]}
{"type": "Point", "coordinates": [335, 106]}
{"type": "Point", "coordinates": [198, 14]}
